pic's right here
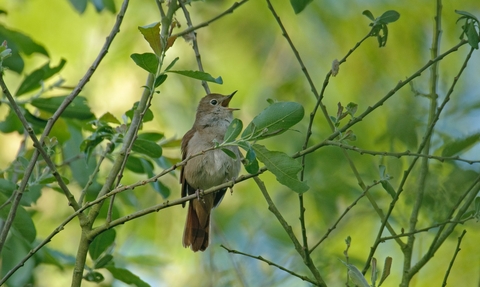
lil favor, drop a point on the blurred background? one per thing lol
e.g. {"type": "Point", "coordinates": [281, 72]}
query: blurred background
{"type": "Point", "coordinates": [246, 48]}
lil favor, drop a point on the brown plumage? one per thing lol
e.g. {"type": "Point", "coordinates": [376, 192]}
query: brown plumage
{"type": "Point", "coordinates": [206, 170]}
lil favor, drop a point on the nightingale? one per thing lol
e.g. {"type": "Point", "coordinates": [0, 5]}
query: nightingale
{"type": "Point", "coordinates": [207, 170]}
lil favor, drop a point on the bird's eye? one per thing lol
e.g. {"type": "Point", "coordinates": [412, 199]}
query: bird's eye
{"type": "Point", "coordinates": [214, 102]}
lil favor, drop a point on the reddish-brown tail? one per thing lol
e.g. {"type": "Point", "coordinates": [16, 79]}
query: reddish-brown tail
{"type": "Point", "coordinates": [197, 226]}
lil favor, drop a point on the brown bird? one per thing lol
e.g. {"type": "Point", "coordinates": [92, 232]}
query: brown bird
{"type": "Point", "coordinates": [207, 170]}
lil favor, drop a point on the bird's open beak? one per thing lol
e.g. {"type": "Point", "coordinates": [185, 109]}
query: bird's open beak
{"type": "Point", "coordinates": [227, 101]}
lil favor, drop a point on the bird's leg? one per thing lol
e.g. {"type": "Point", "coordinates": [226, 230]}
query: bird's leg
{"type": "Point", "coordinates": [231, 187]}
{"type": "Point", "coordinates": [198, 194]}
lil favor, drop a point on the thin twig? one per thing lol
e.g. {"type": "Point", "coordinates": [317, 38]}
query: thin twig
{"type": "Point", "coordinates": [424, 166]}
{"type": "Point", "coordinates": [38, 147]}
{"type": "Point", "coordinates": [206, 23]}
{"type": "Point", "coordinates": [195, 45]}
{"type": "Point", "coordinates": [304, 278]}
{"type": "Point", "coordinates": [343, 215]}
{"type": "Point", "coordinates": [288, 229]}
{"type": "Point", "coordinates": [450, 265]}
{"type": "Point", "coordinates": [421, 146]}
{"type": "Point", "coordinates": [399, 154]}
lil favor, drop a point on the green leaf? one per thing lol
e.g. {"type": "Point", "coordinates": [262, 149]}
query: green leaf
{"type": "Point", "coordinates": [251, 162]}
{"type": "Point", "coordinates": [148, 148]}
{"type": "Point", "coordinates": [356, 276]}
{"type": "Point", "coordinates": [79, 5]}
{"type": "Point", "coordinates": [103, 261]}
{"type": "Point", "coordinates": [78, 108]}
{"type": "Point", "coordinates": [137, 165]}
{"type": "Point", "coordinates": [382, 171]}
{"type": "Point", "coordinates": [11, 123]}
{"type": "Point", "coordinates": [460, 145]}
{"type": "Point", "coordinates": [101, 243]}
{"type": "Point", "coordinates": [109, 118]}
{"type": "Point", "coordinates": [159, 187]}
{"type": "Point", "coordinates": [94, 276]}
{"type": "Point", "coordinates": [472, 35]}
{"type": "Point", "coordinates": [160, 79]}
{"type": "Point", "coordinates": [386, 269]}
{"type": "Point", "coordinates": [229, 153]}
{"type": "Point", "coordinates": [151, 136]}
{"type": "Point", "coordinates": [57, 258]}
{"type": "Point", "coordinates": [14, 251]}
{"type": "Point", "coordinates": [467, 14]}
{"type": "Point", "coordinates": [199, 76]}
{"type": "Point", "coordinates": [146, 61]}
{"type": "Point", "coordinates": [388, 17]}
{"type": "Point", "coordinates": [33, 81]}
{"type": "Point", "coordinates": [126, 276]}
{"type": "Point", "coordinates": [110, 6]}
{"type": "Point", "coordinates": [274, 120]}
{"type": "Point", "coordinates": [299, 5]}
{"type": "Point", "coordinates": [7, 187]}
{"type": "Point", "coordinates": [171, 64]}
{"type": "Point", "coordinates": [22, 222]}
{"type": "Point", "coordinates": [151, 33]}
{"type": "Point", "coordinates": [148, 116]}
{"type": "Point", "coordinates": [233, 130]}
{"type": "Point", "coordinates": [477, 204]}
{"type": "Point", "coordinates": [282, 166]}
{"type": "Point", "coordinates": [388, 187]}
{"type": "Point", "coordinates": [19, 43]}
{"type": "Point", "coordinates": [368, 14]}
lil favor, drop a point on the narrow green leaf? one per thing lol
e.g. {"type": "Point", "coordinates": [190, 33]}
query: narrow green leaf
{"type": "Point", "coordinates": [233, 130]}
{"type": "Point", "coordinates": [146, 61]}
{"type": "Point", "coordinates": [467, 14]}
{"type": "Point", "coordinates": [151, 33]}
{"type": "Point", "coordinates": [374, 271]}
{"type": "Point", "coordinates": [282, 166]}
{"type": "Point", "coordinates": [229, 153]}
{"type": "Point", "coordinates": [102, 261]}
{"type": "Point", "coordinates": [274, 120]}
{"type": "Point", "coordinates": [160, 79]}
{"type": "Point", "coordinates": [33, 81]}
{"type": "Point", "coordinates": [368, 14]}
{"type": "Point", "coordinates": [472, 35]}
{"type": "Point", "coordinates": [199, 76]}
{"type": "Point", "coordinates": [381, 171]}
{"type": "Point", "coordinates": [299, 5]}
{"type": "Point", "coordinates": [356, 276]}
{"type": "Point", "coordinates": [148, 148]}
{"type": "Point", "coordinates": [460, 145]}
{"type": "Point", "coordinates": [171, 64]}
{"type": "Point", "coordinates": [477, 204]}
{"type": "Point", "coordinates": [101, 243]}
{"type": "Point", "coordinates": [151, 136]}
{"type": "Point", "coordinates": [388, 17]}
{"type": "Point", "coordinates": [386, 269]}
{"type": "Point", "coordinates": [126, 276]}
{"type": "Point", "coordinates": [78, 108]}
{"type": "Point", "coordinates": [388, 187]}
